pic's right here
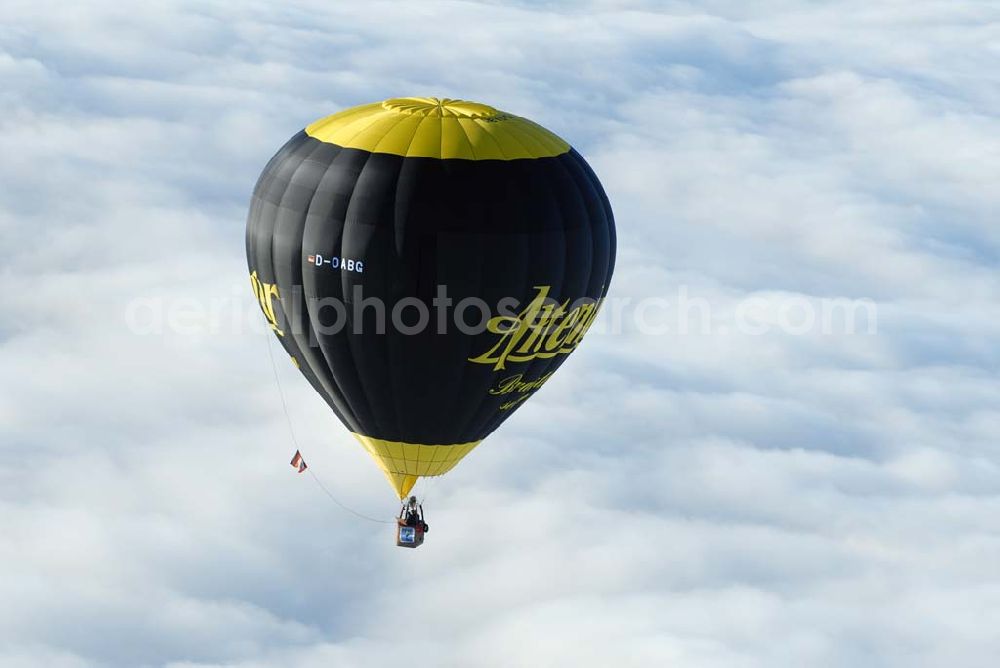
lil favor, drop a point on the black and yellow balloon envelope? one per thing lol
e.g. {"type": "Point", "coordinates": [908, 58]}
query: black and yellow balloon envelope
{"type": "Point", "coordinates": [428, 264]}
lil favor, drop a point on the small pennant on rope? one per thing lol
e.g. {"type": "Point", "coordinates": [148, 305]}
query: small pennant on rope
{"type": "Point", "coordinates": [298, 462]}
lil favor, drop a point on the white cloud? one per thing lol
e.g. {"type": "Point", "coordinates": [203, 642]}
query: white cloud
{"type": "Point", "coordinates": [698, 499]}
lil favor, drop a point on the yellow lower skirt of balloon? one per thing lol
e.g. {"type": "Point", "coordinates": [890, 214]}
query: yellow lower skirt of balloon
{"type": "Point", "coordinates": [403, 463]}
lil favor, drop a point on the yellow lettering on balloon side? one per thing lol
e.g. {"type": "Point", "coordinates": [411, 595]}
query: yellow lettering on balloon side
{"type": "Point", "coordinates": [542, 330]}
{"type": "Point", "coordinates": [266, 293]}
{"type": "Point", "coordinates": [518, 386]}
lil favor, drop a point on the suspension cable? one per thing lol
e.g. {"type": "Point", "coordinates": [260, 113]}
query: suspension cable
{"type": "Point", "coordinates": [295, 442]}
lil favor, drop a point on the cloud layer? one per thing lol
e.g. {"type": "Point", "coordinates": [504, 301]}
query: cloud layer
{"type": "Point", "coordinates": [702, 498]}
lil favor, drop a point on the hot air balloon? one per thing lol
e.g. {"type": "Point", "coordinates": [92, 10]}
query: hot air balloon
{"type": "Point", "coordinates": [428, 264]}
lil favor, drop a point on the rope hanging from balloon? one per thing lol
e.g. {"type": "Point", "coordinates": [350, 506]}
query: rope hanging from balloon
{"type": "Point", "coordinates": [295, 442]}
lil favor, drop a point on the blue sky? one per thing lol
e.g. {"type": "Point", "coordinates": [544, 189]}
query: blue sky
{"type": "Point", "coordinates": [712, 497]}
